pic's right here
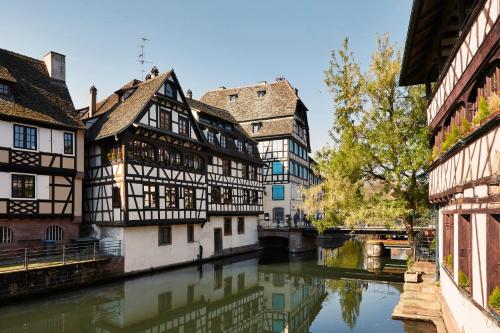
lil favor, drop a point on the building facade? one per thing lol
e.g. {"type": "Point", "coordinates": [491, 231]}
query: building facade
{"type": "Point", "coordinates": [41, 153]}
{"type": "Point", "coordinates": [146, 178]}
{"type": "Point", "coordinates": [454, 45]}
{"type": "Point", "coordinates": [273, 115]}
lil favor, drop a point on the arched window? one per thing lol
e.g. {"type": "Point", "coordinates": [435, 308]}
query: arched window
{"type": "Point", "coordinates": [54, 233]}
{"type": "Point", "coordinates": [193, 161]}
{"type": "Point", "coordinates": [169, 156]}
{"type": "Point", "coordinates": [141, 151]}
{"type": "Point", "coordinates": [5, 235]}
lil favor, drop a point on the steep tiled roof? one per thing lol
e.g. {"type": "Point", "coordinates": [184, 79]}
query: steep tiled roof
{"type": "Point", "coordinates": [114, 116]}
{"type": "Point", "coordinates": [36, 96]}
{"type": "Point", "coordinates": [280, 100]}
{"type": "Point", "coordinates": [270, 127]}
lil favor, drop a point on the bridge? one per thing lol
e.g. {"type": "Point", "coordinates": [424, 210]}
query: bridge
{"type": "Point", "coordinates": [303, 237]}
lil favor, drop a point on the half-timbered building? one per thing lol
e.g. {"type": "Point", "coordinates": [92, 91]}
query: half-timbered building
{"type": "Point", "coordinates": [274, 116]}
{"type": "Point", "coordinates": [41, 152]}
{"type": "Point", "coordinates": [453, 48]}
{"type": "Point", "coordinates": [234, 184]}
{"type": "Point", "coordinates": [146, 177]}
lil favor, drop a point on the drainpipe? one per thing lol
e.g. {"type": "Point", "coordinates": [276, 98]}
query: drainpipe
{"type": "Point", "coordinates": [435, 209]}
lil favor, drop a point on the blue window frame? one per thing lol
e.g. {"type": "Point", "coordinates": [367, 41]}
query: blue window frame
{"type": "Point", "coordinates": [277, 168]}
{"type": "Point", "coordinates": [278, 301]}
{"type": "Point", "coordinates": [278, 192]}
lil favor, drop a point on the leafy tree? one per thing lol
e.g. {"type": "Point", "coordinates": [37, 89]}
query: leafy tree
{"type": "Point", "coordinates": [374, 171]}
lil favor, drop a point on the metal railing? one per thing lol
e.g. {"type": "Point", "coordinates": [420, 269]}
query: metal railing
{"type": "Point", "coordinates": [424, 247]}
{"type": "Point", "coordinates": [283, 224]}
{"type": "Point", "coordinates": [53, 255]}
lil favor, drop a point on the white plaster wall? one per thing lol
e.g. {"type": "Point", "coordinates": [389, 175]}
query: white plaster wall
{"type": "Point", "coordinates": [42, 187]}
{"type": "Point", "coordinates": [269, 203]}
{"type": "Point", "coordinates": [141, 249]}
{"type": "Point", "coordinates": [467, 316]}
{"type": "Point", "coordinates": [4, 180]}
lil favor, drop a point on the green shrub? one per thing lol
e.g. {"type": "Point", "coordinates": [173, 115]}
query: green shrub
{"type": "Point", "coordinates": [482, 111]}
{"type": "Point", "coordinates": [449, 261]}
{"type": "Point", "coordinates": [494, 102]}
{"type": "Point", "coordinates": [410, 262]}
{"type": "Point", "coordinates": [433, 245]}
{"type": "Point", "coordinates": [463, 280]}
{"type": "Point", "coordinates": [494, 300]}
{"type": "Point", "coordinates": [451, 137]}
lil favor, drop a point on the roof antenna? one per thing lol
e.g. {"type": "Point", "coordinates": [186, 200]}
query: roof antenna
{"type": "Point", "coordinates": [141, 57]}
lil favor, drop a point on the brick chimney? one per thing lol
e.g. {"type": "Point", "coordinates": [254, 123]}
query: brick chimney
{"type": "Point", "coordinates": [56, 65]}
{"type": "Point", "coordinates": [92, 101]}
{"type": "Point", "coordinates": [154, 72]}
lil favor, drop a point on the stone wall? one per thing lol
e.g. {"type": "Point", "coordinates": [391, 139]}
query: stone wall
{"type": "Point", "coordinates": [37, 281]}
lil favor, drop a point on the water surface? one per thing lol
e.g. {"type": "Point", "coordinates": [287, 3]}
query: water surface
{"type": "Point", "coordinates": [335, 289]}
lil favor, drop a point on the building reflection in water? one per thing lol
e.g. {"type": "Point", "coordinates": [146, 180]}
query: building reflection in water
{"type": "Point", "coordinates": [239, 296]}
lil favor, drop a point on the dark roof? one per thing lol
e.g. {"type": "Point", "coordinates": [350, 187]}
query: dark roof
{"type": "Point", "coordinates": [115, 116]}
{"type": "Point", "coordinates": [36, 97]}
{"type": "Point", "coordinates": [280, 100]}
{"type": "Point", "coordinates": [211, 110]}
{"type": "Point", "coordinates": [433, 31]}
{"type": "Point", "coordinates": [270, 127]}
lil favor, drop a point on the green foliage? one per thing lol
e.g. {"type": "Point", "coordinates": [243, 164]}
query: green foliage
{"type": "Point", "coordinates": [482, 111]}
{"type": "Point", "coordinates": [374, 172]}
{"type": "Point", "coordinates": [494, 102]}
{"type": "Point", "coordinates": [465, 127]}
{"type": "Point", "coordinates": [494, 300]}
{"type": "Point", "coordinates": [410, 262]}
{"type": "Point", "coordinates": [451, 137]}
{"type": "Point", "coordinates": [432, 247]}
{"type": "Point", "coordinates": [463, 280]}
{"type": "Point", "coordinates": [449, 261]}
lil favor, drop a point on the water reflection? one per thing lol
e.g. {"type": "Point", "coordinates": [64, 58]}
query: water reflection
{"type": "Point", "coordinates": [263, 292]}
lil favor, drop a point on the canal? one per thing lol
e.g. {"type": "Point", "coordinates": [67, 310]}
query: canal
{"type": "Point", "coordinates": [334, 289]}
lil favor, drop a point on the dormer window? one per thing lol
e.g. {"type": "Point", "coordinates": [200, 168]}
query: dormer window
{"type": "Point", "coordinates": [210, 137]}
{"type": "Point", "coordinates": [223, 142]}
{"type": "Point", "coordinates": [261, 93]}
{"type": "Point", "coordinates": [5, 89]}
{"type": "Point", "coordinates": [233, 98]}
{"type": "Point", "coordinates": [169, 89]}
{"type": "Point", "coordinates": [239, 145]}
{"type": "Point", "coordinates": [256, 127]}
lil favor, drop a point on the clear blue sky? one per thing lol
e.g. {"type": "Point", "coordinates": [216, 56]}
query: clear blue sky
{"type": "Point", "coordinates": [208, 43]}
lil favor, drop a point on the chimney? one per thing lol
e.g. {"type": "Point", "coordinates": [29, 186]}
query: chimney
{"type": "Point", "coordinates": [262, 83]}
{"type": "Point", "coordinates": [222, 87]}
{"type": "Point", "coordinates": [56, 65]}
{"type": "Point", "coordinates": [189, 94]}
{"type": "Point", "coordinates": [93, 101]}
{"type": "Point", "coordinates": [154, 72]}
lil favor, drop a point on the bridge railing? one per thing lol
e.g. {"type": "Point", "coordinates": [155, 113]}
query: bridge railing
{"type": "Point", "coordinates": [283, 224]}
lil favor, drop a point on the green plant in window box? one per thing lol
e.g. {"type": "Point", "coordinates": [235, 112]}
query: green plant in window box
{"type": "Point", "coordinates": [494, 102]}
{"type": "Point", "coordinates": [494, 300]}
{"type": "Point", "coordinates": [465, 127]}
{"type": "Point", "coordinates": [449, 263]}
{"type": "Point", "coordinates": [483, 111]}
{"type": "Point", "coordinates": [464, 281]}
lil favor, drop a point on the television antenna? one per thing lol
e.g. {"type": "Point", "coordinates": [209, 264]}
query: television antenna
{"type": "Point", "coordinates": [142, 57]}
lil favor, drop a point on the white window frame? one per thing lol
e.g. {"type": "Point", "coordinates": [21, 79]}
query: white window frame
{"type": "Point", "coordinates": [35, 185]}
{"type": "Point", "coordinates": [73, 135]}
{"type": "Point", "coordinates": [37, 138]}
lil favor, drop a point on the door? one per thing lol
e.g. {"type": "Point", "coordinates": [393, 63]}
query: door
{"type": "Point", "coordinates": [217, 240]}
{"type": "Point", "coordinates": [278, 215]}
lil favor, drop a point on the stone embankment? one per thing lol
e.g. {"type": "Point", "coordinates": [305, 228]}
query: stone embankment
{"type": "Point", "coordinates": [421, 300]}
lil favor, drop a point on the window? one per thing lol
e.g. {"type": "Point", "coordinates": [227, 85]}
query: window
{"type": "Point", "coordinates": [183, 126]}
{"type": "Point", "coordinates": [170, 157]}
{"type": "Point", "coordinates": [54, 233]}
{"type": "Point", "coordinates": [239, 145]}
{"type": "Point", "coordinates": [68, 143]}
{"type": "Point", "coordinates": [465, 248]}
{"type": "Point", "coordinates": [255, 197]}
{"type": "Point", "coordinates": [228, 195]}
{"type": "Point", "coordinates": [448, 243]}
{"type": "Point", "coordinates": [241, 225]}
{"type": "Point", "coordinates": [149, 196]}
{"type": "Point", "coordinates": [5, 89]}
{"type": "Point", "coordinates": [246, 196]}
{"type": "Point", "coordinates": [189, 198]}
{"type": "Point", "coordinates": [228, 226]}
{"type": "Point", "coordinates": [165, 302]}
{"type": "Point", "coordinates": [210, 137]}
{"type": "Point", "coordinates": [116, 197]}
{"type": "Point", "coordinates": [249, 148]}
{"type": "Point", "coordinates": [278, 301]}
{"type": "Point", "coordinates": [277, 168]}
{"type": "Point", "coordinates": [278, 192]}
{"type": "Point", "coordinates": [261, 93]}
{"type": "Point", "coordinates": [244, 171]}
{"type": "Point", "coordinates": [233, 98]}
{"type": "Point", "coordinates": [141, 151]}
{"type": "Point", "coordinates": [226, 167]}
{"type": "Point", "coordinates": [170, 197]}
{"type": "Point", "coordinates": [241, 281]}
{"type": "Point", "coordinates": [23, 186]}
{"type": "Point", "coordinates": [216, 194]}
{"type": "Point", "coordinates": [223, 141]}
{"type": "Point", "coordinates": [165, 119]}
{"type": "Point", "coordinates": [190, 233]}
{"type": "Point", "coordinates": [193, 161]}
{"type": "Point", "coordinates": [170, 90]}
{"type": "Point", "coordinates": [164, 235]}
{"type": "Point", "coordinates": [5, 235]}
{"type": "Point", "coordinates": [255, 128]}
{"type": "Point", "coordinates": [24, 137]}
{"type": "Point", "coordinates": [252, 172]}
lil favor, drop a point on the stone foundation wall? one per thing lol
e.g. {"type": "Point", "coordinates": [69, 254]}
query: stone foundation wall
{"type": "Point", "coordinates": [37, 281]}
